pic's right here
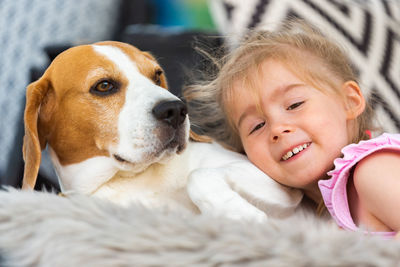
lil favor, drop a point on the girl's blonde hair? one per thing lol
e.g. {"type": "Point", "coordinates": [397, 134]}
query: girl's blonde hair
{"type": "Point", "coordinates": [301, 48]}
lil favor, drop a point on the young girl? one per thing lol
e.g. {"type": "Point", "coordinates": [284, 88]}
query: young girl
{"type": "Point", "coordinates": [289, 100]}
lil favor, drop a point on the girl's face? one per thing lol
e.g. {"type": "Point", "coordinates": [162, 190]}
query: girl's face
{"type": "Point", "coordinates": [299, 131]}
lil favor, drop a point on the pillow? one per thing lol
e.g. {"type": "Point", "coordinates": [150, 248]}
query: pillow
{"type": "Point", "coordinates": [368, 30]}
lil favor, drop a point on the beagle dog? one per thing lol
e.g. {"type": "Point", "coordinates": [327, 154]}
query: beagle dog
{"type": "Point", "coordinates": [114, 131]}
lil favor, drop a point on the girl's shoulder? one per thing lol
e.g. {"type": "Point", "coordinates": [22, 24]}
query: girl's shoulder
{"type": "Point", "coordinates": [334, 189]}
{"type": "Point", "coordinates": [373, 154]}
{"type": "Point", "coordinates": [354, 153]}
{"type": "Point", "coordinates": [377, 169]}
{"type": "Point", "coordinates": [376, 181]}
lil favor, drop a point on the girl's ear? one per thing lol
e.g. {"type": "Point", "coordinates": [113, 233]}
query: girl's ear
{"type": "Point", "coordinates": [355, 101]}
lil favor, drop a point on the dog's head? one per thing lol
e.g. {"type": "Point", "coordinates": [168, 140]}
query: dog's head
{"type": "Point", "coordinates": [106, 101]}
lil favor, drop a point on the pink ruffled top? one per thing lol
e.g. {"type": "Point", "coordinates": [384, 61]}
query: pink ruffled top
{"type": "Point", "coordinates": [334, 190]}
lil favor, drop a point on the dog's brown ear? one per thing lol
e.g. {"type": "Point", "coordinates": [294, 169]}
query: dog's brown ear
{"type": "Point", "coordinates": [149, 55]}
{"type": "Point", "coordinates": [33, 141]}
{"type": "Point", "coordinates": [163, 79]}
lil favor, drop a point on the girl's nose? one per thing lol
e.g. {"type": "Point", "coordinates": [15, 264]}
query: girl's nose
{"type": "Point", "coordinates": [279, 130]}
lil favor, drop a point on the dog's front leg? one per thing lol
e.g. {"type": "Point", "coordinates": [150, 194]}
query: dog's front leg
{"type": "Point", "coordinates": [210, 192]}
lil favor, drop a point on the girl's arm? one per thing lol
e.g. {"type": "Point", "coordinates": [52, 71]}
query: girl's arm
{"type": "Point", "coordinates": [397, 236]}
{"type": "Point", "coordinates": [377, 182]}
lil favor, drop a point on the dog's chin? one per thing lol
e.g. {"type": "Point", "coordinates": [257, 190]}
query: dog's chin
{"type": "Point", "coordinates": [159, 155]}
{"type": "Point", "coordinates": [175, 146]}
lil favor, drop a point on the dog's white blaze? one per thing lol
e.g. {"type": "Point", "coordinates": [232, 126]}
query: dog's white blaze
{"type": "Point", "coordinates": [83, 177]}
{"type": "Point", "coordinates": [136, 122]}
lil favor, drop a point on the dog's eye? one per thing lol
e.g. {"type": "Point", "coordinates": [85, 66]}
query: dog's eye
{"type": "Point", "coordinates": [104, 87]}
{"type": "Point", "coordinates": [157, 76]}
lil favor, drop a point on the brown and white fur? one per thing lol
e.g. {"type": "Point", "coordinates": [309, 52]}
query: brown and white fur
{"type": "Point", "coordinates": [115, 132]}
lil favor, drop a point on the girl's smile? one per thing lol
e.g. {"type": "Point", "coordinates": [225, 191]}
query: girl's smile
{"type": "Point", "coordinates": [292, 153]}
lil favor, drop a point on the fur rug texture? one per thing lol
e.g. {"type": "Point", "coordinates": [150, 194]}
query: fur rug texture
{"type": "Point", "coordinates": [43, 229]}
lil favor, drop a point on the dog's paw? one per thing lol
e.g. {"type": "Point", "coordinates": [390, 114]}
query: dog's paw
{"type": "Point", "coordinates": [237, 208]}
{"type": "Point", "coordinates": [213, 196]}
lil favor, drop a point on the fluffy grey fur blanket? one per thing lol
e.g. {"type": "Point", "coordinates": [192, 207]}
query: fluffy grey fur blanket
{"type": "Point", "coordinates": [42, 229]}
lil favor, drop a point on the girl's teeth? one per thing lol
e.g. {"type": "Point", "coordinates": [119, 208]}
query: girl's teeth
{"type": "Point", "coordinates": [294, 151]}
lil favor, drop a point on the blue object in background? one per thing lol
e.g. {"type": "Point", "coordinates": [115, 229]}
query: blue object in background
{"type": "Point", "coordinates": [191, 14]}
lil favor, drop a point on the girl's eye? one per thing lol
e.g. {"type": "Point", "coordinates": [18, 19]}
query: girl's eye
{"type": "Point", "coordinates": [258, 126]}
{"type": "Point", "coordinates": [295, 105]}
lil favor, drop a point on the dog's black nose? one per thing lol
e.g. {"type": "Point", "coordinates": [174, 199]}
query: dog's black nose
{"type": "Point", "coordinates": [171, 112]}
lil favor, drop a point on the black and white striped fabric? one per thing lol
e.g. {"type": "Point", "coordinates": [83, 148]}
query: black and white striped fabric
{"type": "Point", "coordinates": [368, 29]}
